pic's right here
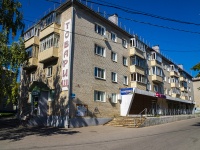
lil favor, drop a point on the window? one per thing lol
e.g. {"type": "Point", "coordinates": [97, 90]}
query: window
{"type": "Point", "coordinates": [138, 77]}
{"type": "Point", "coordinates": [189, 80]}
{"type": "Point", "coordinates": [174, 80]}
{"type": "Point", "coordinates": [99, 50]}
{"type": "Point", "coordinates": [166, 91]}
{"type": "Point", "coordinates": [165, 78]}
{"type": "Point", "coordinates": [124, 43]}
{"type": "Point", "coordinates": [114, 76]}
{"type": "Point", "coordinates": [29, 51]}
{"type": "Point", "coordinates": [48, 20]}
{"type": "Point", "coordinates": [114, 56]}
{"type": "Point", "coordinates": [100, 29]}
{"type": "Point", "coordinates": [148, 86]}
{"type": "Point", "coordinates": [136, 60]}
{"type": "Point", "coordinates": [134, 42]}
{"type": "Point", "coordinates": [157, 71]}
{"type": "Point", "coordinates": [155, 88]}
{"type": "Point", "coordinates": [48, 42]}
{"type": "Point", "coordinates": [32, 77]}
{"type": "Point", "coordinates": [148, 56]}
{"type": "Point", "coordinates": [125, 61]}
{"type": "Point", "coordinates": [156, 56]}
{"type": "Point", "coordinates": [169, 80]}
{"type": "Point", "coordinates": [113, 37]}
{"type": "Point", "coordinates": [99, 73]}
{"type": "Point", "coordinates": [114, 98]}
{"type": "Point", "coordinates": [125, 80]}
{"type": "Point", "coordinates": [49, 71]}
{"type": "Point", "coordinates": [99, 96]}
{"type": "Point", "coordinates": [32, 32]}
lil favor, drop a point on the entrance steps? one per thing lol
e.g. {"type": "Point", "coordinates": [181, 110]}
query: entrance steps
{"type": "Point", "coordinates": [130, 122]}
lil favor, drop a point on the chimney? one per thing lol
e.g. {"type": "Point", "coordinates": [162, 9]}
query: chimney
{"type": "Point", "coordinates": [156, 48]}
{"type": "Point", "coordinates": [114, 18]}
{"type": "Point", "coordinates": [180, 66]}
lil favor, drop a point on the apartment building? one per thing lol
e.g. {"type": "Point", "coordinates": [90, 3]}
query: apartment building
{"type": "Point", "coordinates": [80, 62]}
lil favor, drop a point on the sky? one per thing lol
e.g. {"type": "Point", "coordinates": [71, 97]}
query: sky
{"type": "Point", "coordinates": [178, 41]}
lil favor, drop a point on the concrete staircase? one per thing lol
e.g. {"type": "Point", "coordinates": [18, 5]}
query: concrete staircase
{"type": "Point", "coordinates": [130, 122]}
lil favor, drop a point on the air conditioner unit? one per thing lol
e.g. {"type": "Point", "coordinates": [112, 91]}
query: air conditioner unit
{"type": "Point", "coordinates": [119, 97]}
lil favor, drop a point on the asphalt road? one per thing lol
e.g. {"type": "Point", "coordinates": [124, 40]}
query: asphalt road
{"type": "Point", "coordinates": [181, 135]}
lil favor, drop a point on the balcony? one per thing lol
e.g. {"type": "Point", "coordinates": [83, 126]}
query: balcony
{"type": "Point", "coordinates": [184, 97]}
{"type": "Point", "coordinates": [48, 55]}
{"type": "Point", "coordinates": [182, 79]}
{"type": "Point", "coordinates": [53, 28]}
{"type": "Point", "coordinates": [135, 68]}
{"type": "Point", "coordinates": [174, 73]}
{"type": "Point", "coordinates": [183, 89]}
{"type": "Point", "coordinates": [33, 40]}
{"type": "Point", "coordinates": [174, 84]}
{"type": "Point", "coordinates": [156, 78]}
{"type": "Point", "coordinates": [139, 85]}
{"type": "Point", "coordinates": [135, 51]}
{"type": "Point", "coordinates": [32, 63]}
{"type": "Point", "coordinates": [155, 63]}
{"type": "Point", "coordinates": [175, 95]}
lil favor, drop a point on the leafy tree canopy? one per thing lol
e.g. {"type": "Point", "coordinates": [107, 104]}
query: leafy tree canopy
{"type": "Point", "coordinates": [196, 68]}
{"type": "Point", "coordinates": [12, 55]}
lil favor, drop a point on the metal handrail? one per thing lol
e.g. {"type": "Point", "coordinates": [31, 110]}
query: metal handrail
{"type": "Point", "coordinates": [144, 110]}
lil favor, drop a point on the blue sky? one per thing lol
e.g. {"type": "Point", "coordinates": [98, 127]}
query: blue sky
{"type": "Point", "coordinates": [182, 47]}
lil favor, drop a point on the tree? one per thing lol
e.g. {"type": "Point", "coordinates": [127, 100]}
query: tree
{"type": "Point", "coordinates": [197, 68]}
{"type": "Point", "coordinates": [11, 56]}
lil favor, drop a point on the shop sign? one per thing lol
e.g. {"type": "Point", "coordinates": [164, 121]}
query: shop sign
{"type": "Point", "coordinates": [126, 91]}
{"type": "Point", "coordinates": [35, 93]}
{"type": "Point", "coordinates": [160, 95]}
{"type": "Point", "coordinates": [66, 55]}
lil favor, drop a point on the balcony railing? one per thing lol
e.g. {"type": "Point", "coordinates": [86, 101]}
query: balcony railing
{"type": "Point", "coordinates": [135, 51]}
{"type": "Point", "coordinates": [32, 63]}
{"type": "Point", "coordinates": [33, 40]}
{"type": "Point", "coordinates": [48, 55]}
{"type": "Point", "coordinates": [53, 28]}
{"type": "Point", "coordinates": [135, 68]}
{"type": "Point", "coordinates": [174, 73]}
{"type": "Point", "coordinates": [174, 84]}
{"type": "Point", "coordinates": [156, 78]}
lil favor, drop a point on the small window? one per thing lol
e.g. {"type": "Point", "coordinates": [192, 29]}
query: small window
{"type": "Point", "coordinates": [125, 61]}
{"type": "Point", "coordinates": [169, 80]}
{"type": "Point", "coordinates": [114, 98]}
{"type": "Point", "coordinates": [99, 96]}
{"type": "Point", "coordinates": [49, 71]}
{"type": "Point", "coordinates": [32, 77]}
{"type": "Point", "coordinates": [113, 37]}
{"type": "Point", "coordinates": [100, 29]}
{"type": "Point", "coordinates": [155, 88]}
{"type": "Point", "coordinates": [114, 56]}
{"type": "Point", "coordinates": [148, 86]}
{"type": "Point", "coordinates": [124, 43]}
{"type": "Point", "coordinates": [125, 80]}
{"type": "Point", "coordinates": [99, 50]}
{"type": "Point", "coordinates": [99, 73]}
{"type": "Point", "coordinates": [114, 76]}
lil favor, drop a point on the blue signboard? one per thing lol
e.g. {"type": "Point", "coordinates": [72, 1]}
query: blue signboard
{"type": "Point", "coordinates": [126, 91]}
{"type": "Point", "coordinates": [73, 95]}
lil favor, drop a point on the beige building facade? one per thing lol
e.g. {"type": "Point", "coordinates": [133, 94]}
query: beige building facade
{"type": "Point", "coordinates": [79, 62]}
{"type": "Point", "coordinates": [196, 86]}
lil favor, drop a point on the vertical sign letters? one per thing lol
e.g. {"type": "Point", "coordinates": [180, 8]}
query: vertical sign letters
{"type": "Point", "coordinates": [66, 55]}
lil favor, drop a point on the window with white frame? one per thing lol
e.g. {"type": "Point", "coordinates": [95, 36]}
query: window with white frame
{"type": "Point", "coordinates": [114, 56]}
{"type": "Point", "coordinates": [29, 52]}
{"type": "Point", "coordinates": [49, 71]}
{"type": "Point", "coordinates": [174, 80]}
{"type": "Point", "coordinates": [190, 98]}
{"type": "Point", "coordinates": [49, 41]}
{"type": "Point", "coordinates": [157, 71]}
{"type": "Point", "coordinates": [99, 96]}
{"type": "Point", "coordinates": [99, 73]}
{"type": "Point", "coordinates": [156, 56]}
{"type": "Point", "coordinates": [124, 43]}
{"type": "Point", "coordinates": [114, 77]}
{"type": "Point", "coordinates": [166, 91]}
{"type": "Point", "coordinates": [32, 76]}
{"type": "Point", "coordinates": [138, 78]}
{"type": "Point", "coordinates": [113, 37]}
{"type": "Point", "coordinates": [134, 42]}
{"type": "Point", "coordinates": [125, 61]}
{"type": "Point", "coordinates": [165, 78]}
{"type": "Point", "coordinates": [100, 29]}
{"type": "Point", "coordinates": [99, 50]}
{"type": "Point", "coordinates": [125, 80]}
{"type": "Point", "coordinates": [114, 98]}
{"type": "Point", "coordinates": [32, 32]}
{"type": "Point", "coordinates": [48, 20]}
{"type": "Point", "coordinates": [136, 60]}
{"type": "Point", "coordinates": [169, 80]}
